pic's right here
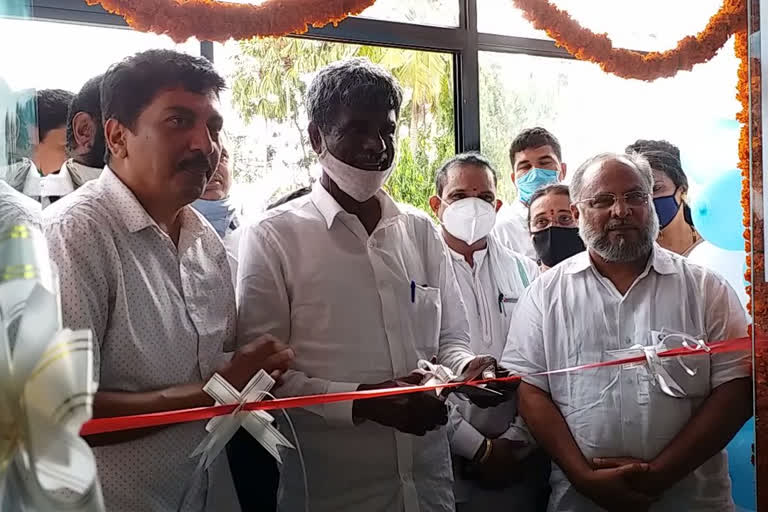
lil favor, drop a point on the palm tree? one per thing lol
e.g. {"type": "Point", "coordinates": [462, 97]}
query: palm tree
{"type": "Point", "coordinates": [270, 79]}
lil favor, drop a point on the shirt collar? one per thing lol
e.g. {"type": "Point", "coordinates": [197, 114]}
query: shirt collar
{"type": "Point", "coordinates": [478, 256]}
{"type": "Point", "coordinates": [520, 209]}
{"type": "Point", "coordinates": [661, 261]}
{"type": "Point", "coordinates": [135, 217]}
{"type": "Point", "coordinates": [58, 184]}
{"type": "Point", "coordinates": [330, 209]}
{"type": "Point", "coordinates": [128, 208]}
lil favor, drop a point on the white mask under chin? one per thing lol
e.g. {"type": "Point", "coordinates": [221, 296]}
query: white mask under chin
{"type": "Point", "coordinates": [359, 184]}
{"type": "Point", "coordinates": [470, 219]}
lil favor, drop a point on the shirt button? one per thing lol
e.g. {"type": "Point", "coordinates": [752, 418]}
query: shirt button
{"type": "Point", "coordinates": [371, 243]}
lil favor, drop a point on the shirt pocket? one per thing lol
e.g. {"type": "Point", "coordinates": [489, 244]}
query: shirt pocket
{"type": "Point", "coordinates": [424, 314]}
{"type": "Point", "coordinates": [507, 302]}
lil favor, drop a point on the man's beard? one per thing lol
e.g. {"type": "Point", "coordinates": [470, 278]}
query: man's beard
{"type": "Point", "coordinates": [96, 155]}
{"type": "Point", "coordinates": [621, 250]}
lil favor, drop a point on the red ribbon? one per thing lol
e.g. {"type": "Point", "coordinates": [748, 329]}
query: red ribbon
{"type": "Point", "coordinates": [119, 423]}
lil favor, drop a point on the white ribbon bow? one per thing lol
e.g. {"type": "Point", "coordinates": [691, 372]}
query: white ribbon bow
{"type": "Point", "coordinates": [257, 423]}
{"type": "Point", "coordinates": [46, 388]}
{"type": "Point", "coordinates": [434, 374]}
{"type": "Point", "coordinates": [659, 375]}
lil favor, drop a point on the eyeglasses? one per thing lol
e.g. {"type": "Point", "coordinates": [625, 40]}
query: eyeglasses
{"type": "Point", "coordinates": [564, 220]}
{"type": "Point", "coordinates": [607, 200]}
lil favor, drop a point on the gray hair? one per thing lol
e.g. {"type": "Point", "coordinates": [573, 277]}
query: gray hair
{"type": "Point", "coordinates": [635, 161]}
{"type": "Point", "coordinates": [597, 240]}
{"type": "Point", "coordinates": [470, 158]}
{"type": "Point", "coordinates": [352, 82]}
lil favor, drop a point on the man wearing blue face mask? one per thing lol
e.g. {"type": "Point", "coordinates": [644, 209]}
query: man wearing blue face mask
{"type": "Point", "coordinates": [536, 160]}
{"type": "Point", "coordinates": [217, 208]}
{"type": "Point", "coordinates": [215, 204]}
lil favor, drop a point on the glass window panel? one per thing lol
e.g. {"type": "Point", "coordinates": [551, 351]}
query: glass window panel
{"type": "Point", "coordinates": [592, 112]}
{"type": "Point", "coordinates": [648, 25]}
{"type": "Point", "coordinates": [266, 118]}
{"type": "Point", "coordinates": [441, 13]}
{"type": "Point", "coordinates": [65, 55]}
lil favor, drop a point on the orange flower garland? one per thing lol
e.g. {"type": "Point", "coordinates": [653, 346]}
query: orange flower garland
{"type": "Point", "coordinates": [584, 44]}
{"type": "Point", "coordinates": [742, 94]}
{"type": "Point", "coordinates": [749, 94]}
{"type": "Point", "coordinates": [210, 20]}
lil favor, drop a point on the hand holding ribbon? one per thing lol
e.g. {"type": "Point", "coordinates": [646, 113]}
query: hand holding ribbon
{"type": "Point", "coordinates": [46, 388]}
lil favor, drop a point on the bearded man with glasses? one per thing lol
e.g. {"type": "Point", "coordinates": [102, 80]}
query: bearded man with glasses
{"type": "Point", "coordinates": [629, 437]}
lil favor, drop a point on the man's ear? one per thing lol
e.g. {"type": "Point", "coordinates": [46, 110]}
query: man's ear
{"type": "Point", "coordinates": [499, 204]}
{"type": "Point", "coordinates": [115, 135]}
{"type": "Point", "coordinates": [84, 130]}
{"type": "Point", "coordinates": [575, 211]}
{"type": "Point", "coordinates": [513, 177]}
{"type": "Point", "coordinates": [315, 138]}
{"type": "Point", "coordinates": [434, 203]}
{"type": "Point", "coordinates": [563, 171]}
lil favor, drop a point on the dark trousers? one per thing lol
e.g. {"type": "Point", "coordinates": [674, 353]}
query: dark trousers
{"type": "Point", "coordinates": [255, 473]}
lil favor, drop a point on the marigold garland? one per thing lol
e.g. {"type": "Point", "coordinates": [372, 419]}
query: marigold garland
{"type": "Point", "coordinates": [749, 94]}
{"type": "Point", "coordinates": [211, 20]}
{"type": "Point", "coordinates": [584, 44]}
{"type": "Point", "coordinates": [742, 94]}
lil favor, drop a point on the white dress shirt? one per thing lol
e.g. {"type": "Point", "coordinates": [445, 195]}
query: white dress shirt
{"type": "Point", "coordinates": [231, 243]}
{"type": "Point", "coordinates": [490, 290]}
{"type": "Point", "coordinates": [512, 229]}
{"type": "Point", "coordinates": [49, 188]}
{"type": "Point", "coordinates": [160, 317]}
{"type": "Point", "coordinates": [310, 274]}
{"type": "Point", "coordinates": [572, 316]}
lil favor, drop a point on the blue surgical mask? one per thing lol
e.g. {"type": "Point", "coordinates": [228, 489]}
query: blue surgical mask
{"type": "Point", "coordinates": [533, 180]}
{"type": "Point", "coordinates": [219, 213]}
{"type": "Point", "coordinates": [666, 209]}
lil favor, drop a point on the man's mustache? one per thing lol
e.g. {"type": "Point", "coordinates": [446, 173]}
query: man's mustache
{"type": "Point", "coordinates": [616, 224]}
{"type": "Point", "coordinates": [196, 162]}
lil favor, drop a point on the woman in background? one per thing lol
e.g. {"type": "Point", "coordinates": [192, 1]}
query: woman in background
{"type": "Point", "coordinates": [677, 232]}
{"type": "Point", "coordinates": [554, 231]}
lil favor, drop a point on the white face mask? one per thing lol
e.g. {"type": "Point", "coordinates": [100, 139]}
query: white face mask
{"type": "Point", "coordinates": [359, 184]}
{"type": "Point", "coordinates": [470, 219]}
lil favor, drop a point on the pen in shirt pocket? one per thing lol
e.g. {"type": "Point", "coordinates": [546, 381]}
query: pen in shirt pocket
{"type": "Point", "coordinates": [503, 299]}
{"type": "Point", "coordinates": [413, 291]}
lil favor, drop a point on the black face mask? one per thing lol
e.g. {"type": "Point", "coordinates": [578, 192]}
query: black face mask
{"type": "Point", "coordinates": [556, 244]}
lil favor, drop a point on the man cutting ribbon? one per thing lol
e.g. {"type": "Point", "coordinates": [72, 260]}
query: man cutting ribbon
{"type": "Point", "coordinates": [630, 437]}
{"type": "Point", "coordinates": [362, 289]}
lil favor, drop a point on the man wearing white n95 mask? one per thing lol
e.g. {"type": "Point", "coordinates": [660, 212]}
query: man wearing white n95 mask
{"type": "Point", "coordinates": [490, 447]}
{"type": "Point", "coordinates": [362, 288]}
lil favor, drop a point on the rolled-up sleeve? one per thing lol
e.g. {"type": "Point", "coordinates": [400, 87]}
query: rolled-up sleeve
{"type": "Point", "coordinates": [725, 320]}
{"type": "Point", "coordinates": [264, 308]}
{"type": "Point", "coordinates": [524, 353]}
